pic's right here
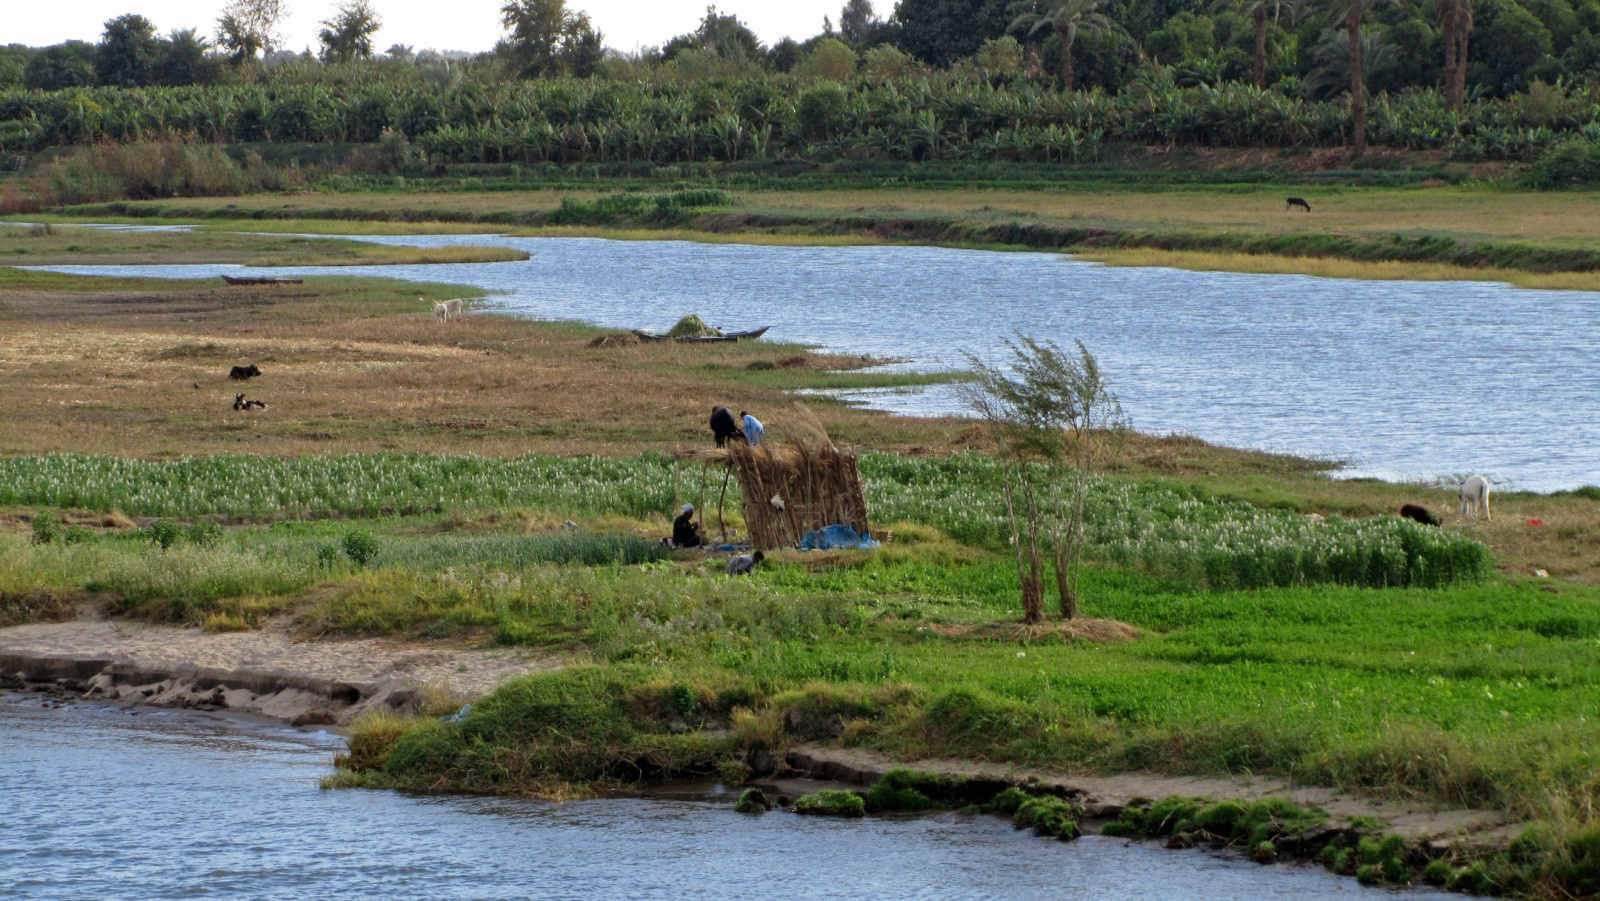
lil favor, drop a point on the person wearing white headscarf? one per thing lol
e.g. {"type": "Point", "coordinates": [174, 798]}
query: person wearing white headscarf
{"type": "Point", "coordinates": [684, 531]}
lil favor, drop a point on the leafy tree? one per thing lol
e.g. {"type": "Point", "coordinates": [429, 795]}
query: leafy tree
{"type": "Point", "coordinates": [67, 65]}
{"type": "Point", "coordinates": [999, 56]}
{"type": "Point", "coordinates": [249, 27]}
{"type": "Point", "coordinates": [722, 36]}
{"type": "Point", "coordinates": [887, 61]}
{"type": "Point", "coordinates": [1052, 409]}
{"type": "Point", "coordinates": [545, 34]}
{"type": "Point", "coordinates": [1185, 37]}
{"type": "Point", "coordinates": [127, 53]}
{"type": "Point", "coordinates": [939, 32]}
{"type": "Point", "coordinates": [1067, 18]}
{"type": "Point", "coordinates": [830, 58]}
{"type": "Point", "coordinates": [348, 35]}
{"type": "Point", "coordinates": [182, 59]}
{"type": "Point", "coordinates": [784, 55]}
{"type": "Point", "coordinates": [856, 22]}
{"type": "Point", "coordinates": [13, 61]}
{"type": "Point", "coordinates": [1512, 41]}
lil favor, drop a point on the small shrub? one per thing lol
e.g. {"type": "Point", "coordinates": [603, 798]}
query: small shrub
{"type": "Point", "coordinates": [1437, 872]}
{"type": "Point", "coordinates": [1265, 852]}
{"type": "Point", "coordinates": [1009, 800]}
{"type": "Point", "coordinates": [204, 533]}
{"type": "Point", "coordinates": [832, 802]}
{"type": "Point", "coordinates": [752, 800]}
{"type": "Point", "coordinates": [46, 528]}
{"type": "Point", "coordinates": [327, 556]}
{"type": "Point", "coordinates": [361, 546]}
{"type": "Point", "coordinates": [78, 535]}
{"type": "Point", "coordinates": [164, 533]}
{"type": "Point", "coordinates": [1049, 815]}
{"type": "Point", "coordinates": [897, 790]}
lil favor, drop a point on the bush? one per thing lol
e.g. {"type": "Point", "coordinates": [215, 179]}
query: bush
{"type": "Point", "coordinates": [46, 527]}
{"type": "Point", "coordinates": [204, 533]}
{"type": "Point", "coordinates": [361, 546]}
{"type": "Point", "coordinates": [1571, 164]}
{"type": "Point", "coordinates": [164, 533]}
{"type": "Point", "coordinates": [832, 802]}
{"type": "Point", "coordinates": [1049, 815]}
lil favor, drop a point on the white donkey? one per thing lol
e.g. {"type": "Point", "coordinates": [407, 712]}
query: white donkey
{"type": "Point", "coordinates": [445, 310]}
{"type": "Point", "coordinates": [1475, 496]}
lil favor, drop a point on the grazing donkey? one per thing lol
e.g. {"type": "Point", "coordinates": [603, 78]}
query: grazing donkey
{"type": "Point", "coordinates": [445, 310]}
{"type": "Point", "coordinates": [240, 373]}
{"type": "Point", "coordinates": [1297, 202]}
{"type": "Point", "coordinates": [1475, 496]}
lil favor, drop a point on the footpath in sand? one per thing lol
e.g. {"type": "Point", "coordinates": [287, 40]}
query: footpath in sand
{"type": "Point", "coordinates": [265, 672]}
{"type": "Point", "coordinates": [270, 673]}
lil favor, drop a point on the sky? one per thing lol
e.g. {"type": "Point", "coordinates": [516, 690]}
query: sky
{"type": "Point", "coordinates": [472, 25]}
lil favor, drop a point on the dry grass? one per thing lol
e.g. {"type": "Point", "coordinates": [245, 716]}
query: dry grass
{"type": "Point", "coordinates": [139, 369]}
{"type": "Point", "coordinates": [1336, 268]}
{"type": "Point", "coordinates": [63, 245]}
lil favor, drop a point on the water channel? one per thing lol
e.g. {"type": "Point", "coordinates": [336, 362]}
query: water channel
{"type": "Point", "coordinates": [1403, 380]}
{"type": "Point", "coordinates": [100, 803]}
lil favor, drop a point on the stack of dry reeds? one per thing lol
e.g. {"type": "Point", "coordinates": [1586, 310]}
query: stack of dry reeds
{"type": "Point", "coordinates": [792, 488]}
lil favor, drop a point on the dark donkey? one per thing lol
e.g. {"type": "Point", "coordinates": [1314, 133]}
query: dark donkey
{"type": "Point", "coordinates": [1297, 202]}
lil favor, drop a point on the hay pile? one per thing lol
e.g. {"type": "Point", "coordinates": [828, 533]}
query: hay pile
{"type": "Point", "coordinates": [692, 326]}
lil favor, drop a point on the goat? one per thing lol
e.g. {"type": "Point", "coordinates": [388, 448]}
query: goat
{"type": "Point", "coordinates": [1475, 496]}
{"type": "Point", "coordinates": [1419, 514]}
{"type": "Point", "coordinates": [1296, 202]}
{"type": "Point", "coordinates": [240, 373]}
{"type": "Point", "coordinates": [239, 403]}
{"type": "Point", "coordinates": [445, 310]}
{"type": "Point", "coordinates": [724, 427]}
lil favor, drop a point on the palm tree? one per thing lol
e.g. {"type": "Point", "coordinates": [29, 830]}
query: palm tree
{"type": "Point", "coordinates": [1455, 17]}
{"type": "Point", "coordinates": [1067, 17]}
{"type": "Point", "coordinates": [1257, 11]}
{"type": "Point", "coordinates": [1353, 11]}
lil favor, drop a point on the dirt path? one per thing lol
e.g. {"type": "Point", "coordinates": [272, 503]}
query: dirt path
{"type": "Point", "coordinates": [264, 672]}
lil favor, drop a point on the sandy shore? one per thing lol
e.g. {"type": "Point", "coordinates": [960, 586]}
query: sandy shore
{"type": "Point", "coordinates": [265, 672]}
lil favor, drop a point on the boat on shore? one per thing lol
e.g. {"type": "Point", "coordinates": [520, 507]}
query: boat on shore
{"type": "Point", "coordinates": [752, 334]}
{"type": "Point", "coordinates": [260, 280]}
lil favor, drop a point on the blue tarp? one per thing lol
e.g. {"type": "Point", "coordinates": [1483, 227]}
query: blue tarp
{"type": "Point", "coordinates": [835, 536]}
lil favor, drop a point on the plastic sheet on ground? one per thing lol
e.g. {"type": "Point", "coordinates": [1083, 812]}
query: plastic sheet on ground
{"type": "Point", "coordinates": [837, 535]}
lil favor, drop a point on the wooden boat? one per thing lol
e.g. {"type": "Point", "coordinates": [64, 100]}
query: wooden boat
{"type": "Point", "coordinates": [260, 280]}
{"type": "Point", "coordinates": [752, 334]}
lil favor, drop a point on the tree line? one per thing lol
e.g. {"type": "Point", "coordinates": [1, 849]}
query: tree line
{"type": "Point", "coordinates": [1477, 48]}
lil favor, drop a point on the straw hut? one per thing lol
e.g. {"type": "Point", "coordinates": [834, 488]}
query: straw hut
{"type": "Point", "coordinates": [792, 488]}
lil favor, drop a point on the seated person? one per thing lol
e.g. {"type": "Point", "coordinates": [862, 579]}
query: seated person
{"type": "Point", "coordinates": [684, 531]}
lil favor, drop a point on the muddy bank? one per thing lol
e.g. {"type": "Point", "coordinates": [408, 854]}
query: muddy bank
{"type": "Point", "coordinates": [1105, 797]}
{"type": "Point", "coordinates": [264, 673]}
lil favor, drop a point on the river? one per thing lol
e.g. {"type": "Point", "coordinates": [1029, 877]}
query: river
{"type": "Point", "coordinates": [101, 803]}
{"type": "Point", "coordinates": [1402, 380]}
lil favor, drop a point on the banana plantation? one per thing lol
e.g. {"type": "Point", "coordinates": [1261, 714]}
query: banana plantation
{"type": "Point", "coordinates": [775, 116]}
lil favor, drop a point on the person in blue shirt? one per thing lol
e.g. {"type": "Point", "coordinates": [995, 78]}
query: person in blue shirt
{"type": "Point", "coordinates": [752, 428]}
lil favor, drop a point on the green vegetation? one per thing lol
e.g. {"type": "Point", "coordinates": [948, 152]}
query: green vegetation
{"type": "Point", "coordinates": [832, 802]}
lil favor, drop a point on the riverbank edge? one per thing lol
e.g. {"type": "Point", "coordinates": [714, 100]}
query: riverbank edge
{"type": "Point", "coordinates": [299, 698]}
{"type": "Point", "coordinates": [946, 230]}
{"type": "Point", "coordinates": [296, 699]}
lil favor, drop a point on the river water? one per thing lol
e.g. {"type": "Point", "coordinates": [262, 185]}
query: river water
{"type": "Point", "coordinates": [99, 803]}
{"type": "Point", "coordinates": [1403, 380]}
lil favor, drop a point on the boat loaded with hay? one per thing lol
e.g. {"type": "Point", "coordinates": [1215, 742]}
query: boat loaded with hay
{"type": "Point", "coordinates": [692, 330]}
{"type": "Point", "coordinates": [789, 490]}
